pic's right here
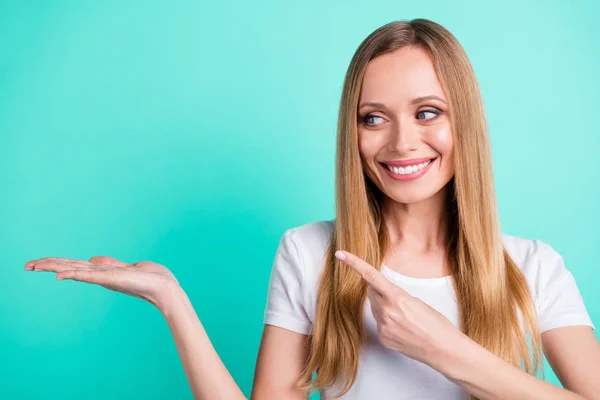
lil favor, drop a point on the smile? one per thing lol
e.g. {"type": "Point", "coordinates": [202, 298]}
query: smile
{"type": "Point", "coordinates": [409, 172]}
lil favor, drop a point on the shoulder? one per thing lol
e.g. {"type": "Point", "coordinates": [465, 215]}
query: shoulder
{"type": "Point", "coordinates": [293, 284]}
{"type": "Point", "coordinates": [313, 238]}
{"type": "Point", "coordinates": [311, 242]}
{"type": "Point", "coordinates": [531, 255]}
{"type": "Point", "coordinates": [542, 265]}
{"type": "Point", "coordinates": [525, 250]}
{"type": "Point", "coordinates": [555, 292]}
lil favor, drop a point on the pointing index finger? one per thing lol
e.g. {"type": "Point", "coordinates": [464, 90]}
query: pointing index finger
{"type": "Point", "coordinates": [367, 271]}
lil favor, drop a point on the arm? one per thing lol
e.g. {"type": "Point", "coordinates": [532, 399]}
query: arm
{"type": "Point", "coordinates": [206, 374]}
{"type": "Point", "coordinates": [282, 355]}
{"type": "Point", "coordinates": [285, 344]}
{"type": "Point", "coordinates": [281, 358]}
{"type": "Point", "coordinates": [573, 352]}
{"type": "Point", "coordinates": [283, 352]}
{"type": "Point", "coordinates": [410, 326]}
{"type": "Point", "coordinates": [567, 339]}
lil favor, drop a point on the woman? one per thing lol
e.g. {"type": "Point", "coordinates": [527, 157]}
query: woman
{"type": "Point", "coordinates": [425, 297]}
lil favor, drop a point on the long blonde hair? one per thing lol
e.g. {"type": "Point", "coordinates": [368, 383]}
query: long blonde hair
{"type": "Point", "coordinates": [490, 288]}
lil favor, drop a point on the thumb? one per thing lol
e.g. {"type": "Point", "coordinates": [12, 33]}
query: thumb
{"type": "Point", "coordinates": [107, 260]}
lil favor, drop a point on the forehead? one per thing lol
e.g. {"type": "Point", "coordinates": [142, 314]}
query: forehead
{"type": "Point", "coordinates": [400, 76]}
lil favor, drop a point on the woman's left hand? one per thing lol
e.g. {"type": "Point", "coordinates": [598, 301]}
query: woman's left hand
{"type": "Point", "coordinates": [405, 323]}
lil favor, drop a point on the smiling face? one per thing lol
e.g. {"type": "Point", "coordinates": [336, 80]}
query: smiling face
{"type": "Point", "coordinates": [403, 123]}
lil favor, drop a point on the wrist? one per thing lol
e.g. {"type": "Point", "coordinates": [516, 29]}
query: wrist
{"type": "Point", "coordinates": [454, 360]}
{"type": "Point", "coordinates": [169, 297]}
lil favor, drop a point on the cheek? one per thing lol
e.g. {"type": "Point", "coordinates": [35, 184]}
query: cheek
{"type": "Point", "coordinates": [367, 145]}
{"type": "Point", "coordinates": [441, 140]}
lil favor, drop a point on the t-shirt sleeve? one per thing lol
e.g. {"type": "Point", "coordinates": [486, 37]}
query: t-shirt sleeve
{"type": "Point", "coordinates": [560, 302]}
{"type": "Point", "coordinates": [286, 306]}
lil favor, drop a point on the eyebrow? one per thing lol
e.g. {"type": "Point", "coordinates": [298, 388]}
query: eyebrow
{"type": "Point", "coordinates": [413, 101]}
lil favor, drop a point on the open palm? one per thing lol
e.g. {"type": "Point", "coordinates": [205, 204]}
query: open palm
{"type": "Point", "coordinates": [144, 279]}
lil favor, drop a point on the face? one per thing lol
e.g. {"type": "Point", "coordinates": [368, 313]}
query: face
{"type": "Point", "coordinates": [403, 124]}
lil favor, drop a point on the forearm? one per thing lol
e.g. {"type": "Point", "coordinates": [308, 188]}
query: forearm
{"type": "Point", "coordinates": [487, 376]}
{"type": "Point", "coordinates": [205, 372]}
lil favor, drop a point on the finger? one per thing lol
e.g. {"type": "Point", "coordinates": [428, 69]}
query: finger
{"type": "Point", "coordinates": [376, 313]}
{"type": "Point", "coordinates": [31, 263]}
{"type": "Point", "coordinates": [368, 273]}
{"type": "Point", "coordinates": [59, 265]}
{"type": "Point", "coordinates": [108, 260]}
{"type": "Point", "coordinates": [373, 295]}
{"type": "Point", "coordinates": [99, 277]}
{"type": "Point", "coordinates": [376, 301]}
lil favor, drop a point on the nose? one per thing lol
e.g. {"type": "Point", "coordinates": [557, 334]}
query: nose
{"type": "Point", "coordinates": [404, 138]}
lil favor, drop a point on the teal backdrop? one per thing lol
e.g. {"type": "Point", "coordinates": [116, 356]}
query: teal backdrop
{"type": "Point", "coordinates": [195, 133]}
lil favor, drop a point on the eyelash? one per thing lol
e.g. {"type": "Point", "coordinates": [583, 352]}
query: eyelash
{"type": "Point", "coordinates": [435, 111]}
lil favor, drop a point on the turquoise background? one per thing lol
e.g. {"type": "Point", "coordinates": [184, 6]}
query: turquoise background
{"type": "Point", "coordinates": [194, 134]}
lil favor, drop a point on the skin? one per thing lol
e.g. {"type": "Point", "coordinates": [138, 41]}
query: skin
{"type": "Point", "coordinates": [414, 212]}
{"type": "Point", "coordinates": [401, 129]}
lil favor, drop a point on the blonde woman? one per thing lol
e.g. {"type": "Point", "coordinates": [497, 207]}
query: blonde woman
{"type": "Point", "coordinates": [412, 291]}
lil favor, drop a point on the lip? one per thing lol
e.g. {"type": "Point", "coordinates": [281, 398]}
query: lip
{"type": "Point", "coordinates": [412, 175]}
{"type": "Point", "coordinates": [404, 163]}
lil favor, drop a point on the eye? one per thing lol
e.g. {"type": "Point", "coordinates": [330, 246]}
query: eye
{"type": "Point", "coordinates": [368, 119]}
{"type": "Point", "coordinates": [433, 113]}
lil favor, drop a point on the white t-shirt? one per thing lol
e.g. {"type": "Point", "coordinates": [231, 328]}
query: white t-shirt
{"type": "Point", "coordinates": [385, 374]}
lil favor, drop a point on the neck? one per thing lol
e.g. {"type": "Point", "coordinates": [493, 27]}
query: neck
{"type": "Point", "coordinates": [421, 227]}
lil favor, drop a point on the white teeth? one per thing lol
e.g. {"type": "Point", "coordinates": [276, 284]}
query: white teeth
{"type": "Point", "coordinates": [408, 170]}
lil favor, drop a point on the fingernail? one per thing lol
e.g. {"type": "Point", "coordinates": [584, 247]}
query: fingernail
{"type": "Point", "coordinates": [28, 268]}
{"type": "Point", "coordinates": [340, 255]}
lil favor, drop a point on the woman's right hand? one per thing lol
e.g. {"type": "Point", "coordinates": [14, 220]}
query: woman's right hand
{"type": "Point", "coordinates": [146, 280]}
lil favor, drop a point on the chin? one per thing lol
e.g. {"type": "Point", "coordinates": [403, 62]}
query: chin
{"type": "Point", "coordinates": [416, 196]}
{"type": "Point", "coordinates": [408, 199]}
